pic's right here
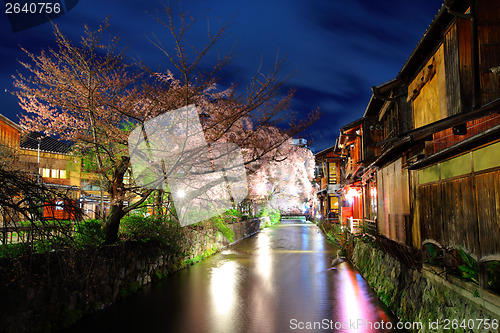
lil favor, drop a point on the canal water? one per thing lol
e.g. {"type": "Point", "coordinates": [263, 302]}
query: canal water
{"type": "Point", "coordinates": [279, 280]}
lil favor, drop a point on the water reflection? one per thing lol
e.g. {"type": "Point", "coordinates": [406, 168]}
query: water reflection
{"type": "Point", "coordinates": [262, 292]}
{"type": "Point", "coordinates": [356, 310]}
{"type": "Point", "coordinates": [264, 260]}
{"type": "Point", "coordinates": [267, 283]}
{"type": "Point", "coordinates": [222, 283]}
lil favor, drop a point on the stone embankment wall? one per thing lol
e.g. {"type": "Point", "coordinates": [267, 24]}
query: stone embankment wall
{"type": "Point", "coordinates": [52, 290]}
{"type": "Point", "coordinates": [426, 296]}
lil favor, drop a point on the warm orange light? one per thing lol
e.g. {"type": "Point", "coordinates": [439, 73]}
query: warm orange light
{"type": "Point", "coordinates": [352, 192]}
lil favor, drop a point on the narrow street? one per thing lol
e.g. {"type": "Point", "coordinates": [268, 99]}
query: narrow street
{"type": "Point", "coordinates": [279, 280]}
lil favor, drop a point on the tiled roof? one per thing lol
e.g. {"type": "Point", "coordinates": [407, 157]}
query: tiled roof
{"type": "Point", "coordinates": [47, 143]}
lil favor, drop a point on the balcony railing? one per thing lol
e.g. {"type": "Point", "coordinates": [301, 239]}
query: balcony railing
{"type": "Point", "coordinates": [351, 166]}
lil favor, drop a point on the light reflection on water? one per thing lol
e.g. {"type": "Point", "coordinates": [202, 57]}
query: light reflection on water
{"type": "Point", "coordinates": [260, 284]}
{"type": "Point", "coordinates": [223, 281]}
{"type": "Point", "coordinates": [356, 307]}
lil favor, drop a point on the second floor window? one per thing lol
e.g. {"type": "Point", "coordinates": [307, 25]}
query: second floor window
{"type": "Point", "coordinates": [53, 173]}
{"type": "Point", "coordinates": [332, 173]}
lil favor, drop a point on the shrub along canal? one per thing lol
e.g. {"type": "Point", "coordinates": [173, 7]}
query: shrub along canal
{"type": "Point", "coordinates": [279, 280]}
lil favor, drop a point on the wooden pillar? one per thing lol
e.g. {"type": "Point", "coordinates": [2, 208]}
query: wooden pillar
{"type": "Point", "coordinates": [482, 275]}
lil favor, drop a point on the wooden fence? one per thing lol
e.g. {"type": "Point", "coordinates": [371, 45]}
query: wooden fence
{"type": "Point", "coordinates": [463, 213]}
{"type": "Point", "coordinates": [27, 234]}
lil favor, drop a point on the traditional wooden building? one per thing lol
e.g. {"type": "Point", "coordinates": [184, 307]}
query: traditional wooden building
{"type": "Point", "coordinates": [51, 163]}
{"type": "Point", "coordinates": [350, 147]}
{"type": "Point", "coordinates": [456, 173]}
{"type": "Point", "coordinates": [94, 196]}
{"type": "Point", "coordinates": [435, 134]}
{"type": "Point", "coordinates": [10, 134]}
{"type": "Point", "coordinates": [327, 177]}
{"type": "Point", "coordinates": [421, 168]}
{"type": "Point", "coordinates": [385, 180]}
{"type": "Point", "coordinates": [358, 143]}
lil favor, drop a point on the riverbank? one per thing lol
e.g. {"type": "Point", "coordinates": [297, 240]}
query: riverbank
{"type": "Point", "coordinates": [52, 290]}
{"type": "Point", "coordinates": [426, 295]}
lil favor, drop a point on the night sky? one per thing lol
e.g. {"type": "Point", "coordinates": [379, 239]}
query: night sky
{"type": "Point", "coordinates": [335, 50]}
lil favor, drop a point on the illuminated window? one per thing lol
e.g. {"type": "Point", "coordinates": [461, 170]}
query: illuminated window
{"type": "Point", "coordinates": [332, 171]}
{"type": "Point", "coordinates": [46, 173]}
{"type": "Point", "coordinates": [54, 173]}
{"type": "Point", "coordinates": [334, 206]}
{"type": "Point", "coordinates": [59, 205]}
{"type": "Point", "coordinates": [62, 174]}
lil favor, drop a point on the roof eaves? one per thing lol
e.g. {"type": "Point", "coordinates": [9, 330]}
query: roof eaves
{"type": "Point", "coordinates": [10, 122]}
{"type": "Point", "coordinates": [373, 106]}
{"type": "Point", "coordinates": [325, 151]}
{"type": "Point", "coordinates": [457, 148]}
{"type": "Point", "coordinates": [404, 141]}
{"type": "Point", "coordinates": [454, 120]}
{"type": "Point", "coordinates": [432, 36]}
{"type": "Point", "coordinates": [352, 124]}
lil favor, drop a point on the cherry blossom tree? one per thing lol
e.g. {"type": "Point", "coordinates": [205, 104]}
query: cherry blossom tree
{"type": "Point", "coordinates": [285, 184]}
{"type": "Point", "coordinates": [88, 94]}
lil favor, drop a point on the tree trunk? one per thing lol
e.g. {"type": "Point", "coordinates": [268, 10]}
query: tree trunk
{"type": "Point", "coordinates": [113, 223]}
{"type": "Point", "coordinates": [117, 211]}
{"type": "Point", "coordinates": [159, 203]}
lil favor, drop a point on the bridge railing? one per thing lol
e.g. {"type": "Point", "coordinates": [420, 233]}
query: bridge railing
{"type": "Point", "coordinates": [293, 217]}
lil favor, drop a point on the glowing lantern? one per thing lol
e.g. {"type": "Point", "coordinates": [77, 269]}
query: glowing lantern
{"type": "Point", "coordinates": [351, 194]}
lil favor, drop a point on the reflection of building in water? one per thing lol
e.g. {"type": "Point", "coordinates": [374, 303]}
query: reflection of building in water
{"type": "Point", "coordinates": [355, 309]}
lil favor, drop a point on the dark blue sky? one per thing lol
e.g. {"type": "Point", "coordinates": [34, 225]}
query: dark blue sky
{"type": "Point", "coordinates": [335, 50]}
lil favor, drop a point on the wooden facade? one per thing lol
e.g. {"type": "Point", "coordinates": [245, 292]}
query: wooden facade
{"type": "Point", "coordinates": [428, 146]}
{"type": "Point", "coordinates": [10, 133]}
{"type": "Point", "coordinates": [60, 210]}
{"type": "Point", "coordinates": [488, 26]}
{"type": "Point", "coordinates": [459, 202]}
{"type": "Point", "coordinates": [393, 218]}
{"type": "Point", "coordinates": [58, 171]}
{"type": "Point", "coordinates": [54, 167]}
{"type": "Point", "coordinates": [44, 159]}
{"type": "Point", "coordinates": [352, 147]}
{"type": "Point", "coordinates": [327, 178]}
{"type": "Point", "coordinates": [454, 198]}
